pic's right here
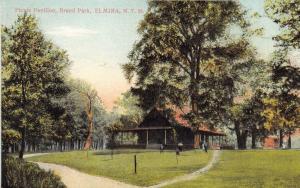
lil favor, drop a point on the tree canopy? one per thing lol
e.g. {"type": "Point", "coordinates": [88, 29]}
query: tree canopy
{"type": "Point", "coordinates": [33, 74]}
{"type": "Point", "coordinates": [286, 15]}
{"type": "Point", "coordinates": [188, 57]}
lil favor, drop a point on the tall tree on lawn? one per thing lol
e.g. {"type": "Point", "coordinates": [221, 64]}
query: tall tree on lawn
{"type": "Point", "coordinates": [90, 98]}
{"type": "Point", "coordinates": [33, 74]}
{"type": "Point", "coordinates": [188, 56]}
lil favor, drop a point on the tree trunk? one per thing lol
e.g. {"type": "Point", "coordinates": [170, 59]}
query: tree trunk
{"type": "Point", "coordinates": [253, 137]}
{"type": "Point", "coordinates": [241, 136]}
{"type": "Point", "coordinates": [21, 153]}
{"type": "Point", "coordinates": [290, 141]}
{"type": "Point", "coordinates": [61, 146]}
{"type": "Point", "coordinates": [103, 142]}
{"type": "Point", "coordinates": [89, 139]}
{"type": "Point", "coordinates": [29, 147]}
{"type": "Point", "coordinates": [193, 95]}
{"type": "Point", "coordinates": [72, 145]}
{"type": "Point", "coordinates": [280, 138]}
{"type": "Point", "coordinates": [23, 104]}
{"type": "Point", "coordinates": [13, 148]}
{"type": "Point", "coordinates": [33, 146]}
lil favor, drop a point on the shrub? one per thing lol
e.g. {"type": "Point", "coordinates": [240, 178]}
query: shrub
{"type": "Point", "coordinates": [17, 173]}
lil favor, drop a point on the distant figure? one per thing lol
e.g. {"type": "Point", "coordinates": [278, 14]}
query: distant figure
{"type": "Point", "coordinates": [180, 146]}
{"type": "Point", "coordinates": [283, 146]}
{"type": "Point", "coordinates": [201, 144]}
{"type": "Point", "coordinates": [177, 151]}
{"type": "Point", "coordinates": [161, 148]}
{"type": "Point", "coordinates": [205, 146]}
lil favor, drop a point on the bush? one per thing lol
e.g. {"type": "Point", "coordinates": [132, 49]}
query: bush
{"type": "Point", "coordinates": [17, 173]}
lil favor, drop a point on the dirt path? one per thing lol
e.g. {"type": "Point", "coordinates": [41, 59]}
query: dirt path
{"type": "Point", "coordinates": [75, 179]}
{"type": "Point", "coordinates": [191, 176]}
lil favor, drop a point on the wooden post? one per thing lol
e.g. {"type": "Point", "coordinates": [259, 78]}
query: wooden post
{"type": "Point", "coordinates": [165, 137]}
{"type": "Point", "coordinates": [135, 164]}
{"type": "Point", "coordinates": [147, 139]}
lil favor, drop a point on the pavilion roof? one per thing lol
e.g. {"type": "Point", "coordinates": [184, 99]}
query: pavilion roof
{"type": "Point", "coordinates": [203, 127]}
{"type": "Point", "coordinates": [136, 129]}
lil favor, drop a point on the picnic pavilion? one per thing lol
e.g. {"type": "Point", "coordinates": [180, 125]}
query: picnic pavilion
{"type": "Point", "coordinates": [157, 129]}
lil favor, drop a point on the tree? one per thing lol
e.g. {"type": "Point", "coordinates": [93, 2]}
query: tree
{"type": "Point", "coordinates": [187, 56]}
{"type": "Point", "coordinates": [33, 72]}
{"type": "Point", "coordinates": [281, 115]}
{"type": "Point", "coordinates": [178, 39]}
{"type": "Point", "coordinates": [127, 106]}
{"type": "Point", "coordinates": [254, 84]}
{"type": "Point", "coordinates": [282, 105]}
{"type": "Point", "coordinates": [89, 98]}
{"type": "Point", "coordinates": [253, 117]}
{"type": "Point", "coordinates": [9, 137]}
{"type": "Point", "coordinates": [63, 123]}
{"type": "Point", "coordinates": [286, 15]}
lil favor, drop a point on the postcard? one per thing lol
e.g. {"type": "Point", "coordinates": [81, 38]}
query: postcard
{"type": "Point", "coordinates": [150, 93]}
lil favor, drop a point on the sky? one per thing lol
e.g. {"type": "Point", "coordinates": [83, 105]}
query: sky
{"type": "Point", "coordinates": [98, 38]}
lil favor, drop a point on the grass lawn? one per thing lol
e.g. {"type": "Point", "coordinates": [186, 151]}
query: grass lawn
{"type": "Point", "coordinates": [267, 168]}
{"type": "Point", "coordinates": [152, 167]}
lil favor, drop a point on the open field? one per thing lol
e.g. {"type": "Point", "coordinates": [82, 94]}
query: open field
{"type": "Point", "coordinates": [273, 168]}
{"type": "Point", "coordinates": [152, 167]}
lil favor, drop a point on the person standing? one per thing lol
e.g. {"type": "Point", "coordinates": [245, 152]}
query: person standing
{"type": "Point", "coordinates": [161, 148]}
{"type": "Point", "coordinates": [177, 151]}
{"type": "Point", "coordinates": [205, 146]}
{"type": "Point", "coordinates": [180, 146]}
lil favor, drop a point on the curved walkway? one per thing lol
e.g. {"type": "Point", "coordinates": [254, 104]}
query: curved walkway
{"type": "Point", "coordinates": [212, 162]}
{"type": "Point", "coordinates": [75, 179]}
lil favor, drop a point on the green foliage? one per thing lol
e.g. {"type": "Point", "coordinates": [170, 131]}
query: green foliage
{"type": "Point", "coordinates": [127, 107]}
{"type": "Point", "coordinates": [126, 113]}
{"type": "Point", "coordinates": [285, 76]}
{"type": "Point", "coordinates": [281, 114]}
{"type": "Point", "coordinates": [9, 137]}
{"type": "Point", "coordinates": [281, 106]}
{"type": "Point", "coordinates": [186, 56]}
{"type": "Point", "coordinates": [17, 173]}
{"type": "Point", "coordinates": [84, 107]}
{"type": "Point", "coordinates": [286, 15]}
{"type": "Point", "coordinates": [33, 76]}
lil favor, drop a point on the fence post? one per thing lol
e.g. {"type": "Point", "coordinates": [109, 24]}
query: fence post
{"type": "Point", "coordinates": [135, 164]}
